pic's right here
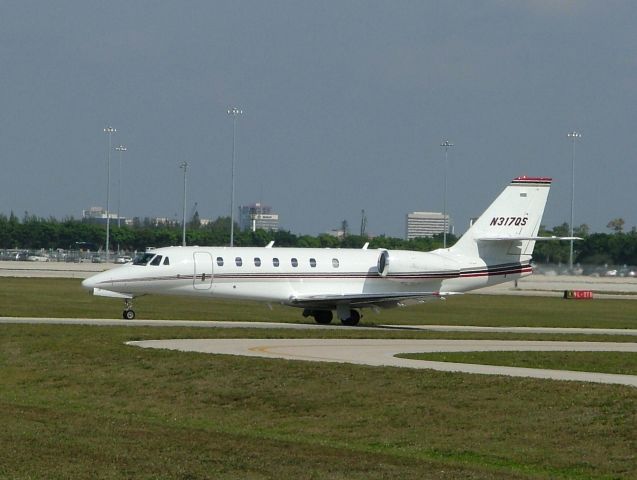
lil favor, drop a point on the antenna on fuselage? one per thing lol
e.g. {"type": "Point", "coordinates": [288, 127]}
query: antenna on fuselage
{"type": "Point", "coordinates": [269, 245]}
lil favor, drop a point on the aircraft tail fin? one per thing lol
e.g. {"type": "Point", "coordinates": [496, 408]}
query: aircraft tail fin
{"type": "Point", "coordinates": [507, 231]}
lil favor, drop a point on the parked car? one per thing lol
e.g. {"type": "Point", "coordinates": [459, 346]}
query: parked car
{"type": "Point", "coordinates": [37, 258]}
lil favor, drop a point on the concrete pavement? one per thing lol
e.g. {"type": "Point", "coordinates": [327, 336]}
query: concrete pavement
{"type": "Point", "coordinates": [377, 352]}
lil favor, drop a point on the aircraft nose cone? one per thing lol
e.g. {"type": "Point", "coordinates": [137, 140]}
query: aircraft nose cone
{"type": "Point", "coordinates": [99, 280]}
{"type": "Point", "coordinates": [88, 283]}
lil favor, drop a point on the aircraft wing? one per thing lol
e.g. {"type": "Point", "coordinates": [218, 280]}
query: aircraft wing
{"type": "Point", "coordinates": [360, 300]}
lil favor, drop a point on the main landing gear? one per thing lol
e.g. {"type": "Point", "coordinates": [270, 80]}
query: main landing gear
{"type": "Point", "coordinates": [348, 317]}
{"type": "Point", "coordinates": [128, 313]}
{"type": "Point", "coordinates": [353, 318]}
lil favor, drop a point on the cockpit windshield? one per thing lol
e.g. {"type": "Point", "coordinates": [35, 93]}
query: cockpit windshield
{"type": "Point", "coordinates": [143, 258]}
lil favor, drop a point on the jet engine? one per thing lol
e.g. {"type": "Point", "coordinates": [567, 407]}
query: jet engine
{"type": "Point", "coordinates": [383, 263]}
{"type": "Point", "coordinates": [408, 266]}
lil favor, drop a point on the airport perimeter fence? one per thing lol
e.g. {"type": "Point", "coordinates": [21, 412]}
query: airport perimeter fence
{"type": "Point", "coordinates": [70, 256]}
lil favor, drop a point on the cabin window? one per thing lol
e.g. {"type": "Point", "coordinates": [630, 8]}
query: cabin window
{"type": "Point", "coordinates": [295, 262]}
{"type": "Point", "coordinates": [220, 261]}
{"type": "Point", "coordinates": [257, 262]}
{"type": "Point", "coordinates": [275, 262]}
{"type": "Point", "coordinates": [238, 262]}
{"type": "Point", "coordinates": [313, 262]}
{"type": "Point", "coordinates": [157, 260]}
{"type": "Point", "coordinates": [143, 259]}
{"type": "Point", "coordinates": [335, 262]}
{"type": "Point", "coordinates": [166, 261]}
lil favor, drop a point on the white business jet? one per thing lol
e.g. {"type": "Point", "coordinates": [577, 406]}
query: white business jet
{"type": "Point", "coordinates": [496, 249]}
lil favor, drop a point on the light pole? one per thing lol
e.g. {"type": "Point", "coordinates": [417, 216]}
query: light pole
{"type": "Point", "coordinates": [120, 149]}
{"type": "Point", "coordinates": [234, 111]}
{"type": "Point", "coordinates": [573, 136]}
{"type": "Point", "coordinates": [110, 131]}
{"type": "Point", "coordinates": [447, 145]}
{"type": "Point", "coordinates": [184, 165]}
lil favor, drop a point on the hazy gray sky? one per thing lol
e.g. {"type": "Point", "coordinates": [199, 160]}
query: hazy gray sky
{"type": "Point", "coordinates": [345, 105]}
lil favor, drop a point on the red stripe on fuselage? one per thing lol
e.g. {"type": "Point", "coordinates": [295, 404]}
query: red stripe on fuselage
{"type": "Point", "coordinates": [489, 271]}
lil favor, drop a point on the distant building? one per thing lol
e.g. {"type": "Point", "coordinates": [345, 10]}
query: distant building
{"type": "Point", "coordinates": [98, 215]}
{"type": "Point", "coordinates": [426, 224]}
{"type": "Point", "coordinates": [258, 217]}
{"type": "Point", "coordinates": [337, 232]}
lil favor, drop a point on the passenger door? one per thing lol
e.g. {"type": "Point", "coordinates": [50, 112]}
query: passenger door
{"type": "Point", "coordinates": [203, 274]}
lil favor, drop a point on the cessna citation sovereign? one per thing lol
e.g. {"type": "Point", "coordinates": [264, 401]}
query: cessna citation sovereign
{"type": "Point", "coordinates": [496, 249]}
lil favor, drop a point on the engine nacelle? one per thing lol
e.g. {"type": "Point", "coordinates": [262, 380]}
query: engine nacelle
{"type": "Point", "coordinates": [408, 266]}
{"type": "Point", "coordinates": [383, 263]}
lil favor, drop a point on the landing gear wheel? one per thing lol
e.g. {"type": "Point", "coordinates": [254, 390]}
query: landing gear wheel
{"type": "Point", "coordinates": [353, 319]}
{"type": "Point", "coordinates": [128, 313]}
{"type": "Point", "coordinates": [323, 317]}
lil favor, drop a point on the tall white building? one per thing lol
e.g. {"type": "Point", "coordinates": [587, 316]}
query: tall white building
{"type": "Point", "coordinates": [258, 217]}
{"type": "Point", "coordinates": [426, 224]}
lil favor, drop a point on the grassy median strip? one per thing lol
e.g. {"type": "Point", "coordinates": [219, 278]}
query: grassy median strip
{"type": "Point", "coordinates": [624, 363]}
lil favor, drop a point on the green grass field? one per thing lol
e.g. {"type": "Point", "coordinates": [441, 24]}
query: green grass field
{"type": "Point", "coordinates": [76, 402]}
{"type": "Point", "coordinates": [66, 298]}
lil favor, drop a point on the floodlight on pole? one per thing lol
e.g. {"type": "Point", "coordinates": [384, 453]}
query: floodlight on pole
{"type": "Point", "coordinates": [235, 112]}
{"type": "Point", "coordinates": [573, 136]}
{"type": "Point", "coordinates": [121, 149]}
{"type": "Point", "coordinates": [446, 145]}
{"type": "Point", "coordinates": [184, 166]}
{"type": "Point", "coordinates": [110, 131]}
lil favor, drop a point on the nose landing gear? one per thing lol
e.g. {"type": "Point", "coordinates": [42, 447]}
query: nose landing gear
{"type": "Point", "coordinates": [128, 313]}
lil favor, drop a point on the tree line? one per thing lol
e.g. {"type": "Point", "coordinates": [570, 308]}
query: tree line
{"type": "Point", "coordinates": [617, 248]}
{"type": "Point", "coordinates": [35, 233]}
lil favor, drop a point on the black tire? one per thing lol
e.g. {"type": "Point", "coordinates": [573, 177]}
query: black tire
{"type": "Point", "coordinates": [323, 317]}
{"type": "Point", "coordinates": [128, 314]}
{"type": "Point", "coordinates": [354, 318]}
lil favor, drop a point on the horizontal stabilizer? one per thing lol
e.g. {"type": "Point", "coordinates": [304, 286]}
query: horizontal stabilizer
{"type": "Point", "coordinates": [514, 238]}
{"type": "Point", "coordinates": [100, 292]}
